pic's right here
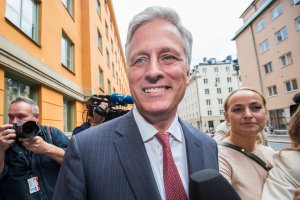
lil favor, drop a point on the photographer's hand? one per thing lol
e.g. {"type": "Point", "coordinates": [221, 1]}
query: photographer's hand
{"type": "Point", "coordinates": [7, 137]}
{"type": "Point", "coordinates": [40, 146]}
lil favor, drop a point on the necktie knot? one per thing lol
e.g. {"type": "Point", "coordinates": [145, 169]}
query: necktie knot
{"type": "Point", "coordinates": [163, 139]}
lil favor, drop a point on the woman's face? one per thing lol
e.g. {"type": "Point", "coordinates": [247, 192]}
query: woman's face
{"type": "Point", "coordinates": [246, 113]}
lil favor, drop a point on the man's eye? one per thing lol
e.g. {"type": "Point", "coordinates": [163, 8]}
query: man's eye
{"type": "Point", "coordinates": [140, 61]}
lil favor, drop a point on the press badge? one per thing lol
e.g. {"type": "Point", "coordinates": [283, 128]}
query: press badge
{"type": "Point", "coordinates": [33, 184]}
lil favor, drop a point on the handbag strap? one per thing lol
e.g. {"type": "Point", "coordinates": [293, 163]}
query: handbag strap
{"type": "Point", "coordinates": [249, 154]}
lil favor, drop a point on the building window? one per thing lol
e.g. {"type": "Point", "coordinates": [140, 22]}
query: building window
{"type": "Point", "coordinates": [108, 87]}
{"type": "Point", "coordinates": [230, 89]}
{"type": "Point", "coordinates": [264, 46]}
{"type": "Point", "coordinates": [107, 58]}
{"type": "Point", "coordinates": [291, 85]}
{"type": "Point", "coordinates": [286, 59]}
{"type": "Point", "coordinates": [13, 89]}
{"type": "Point", "coordinates": [268, 68]}
{"type": "Point", "coordinates": [227, 69]}
{"type": "Point", "coordinates": [275, 12]}
{"type": "Point", "coordinates": [98, 8]}
{"type": "Point", "coordinates": [24, 15]}
{"type": "Point", "coordinates": [219, 91]}
{"type": "Point", "coordinates": [216, 69]}
{"type": "Point", "coordinates": [206, 91]}
{"type": "Point", "coordinates": [99, 41]}
{"type": "Point", "coordinates": [297, 21]}
{"type": "Point", "coordinates": [260, 25]}
{"type": "Point", "coordinates": [204, 70]}
{"type": "Point", "coordinates": [208, 102]}
{"type": "Point", "coordinates": [111, 45]}
{"type": "Point", "coordinates": [281, 35]}
{"type": "Point", "coordinates": [229, 79]}
{"type": "Point", "coordinates": [272, 90]}
{"type": "Point", "coordinates": [69, 6]}
{"type": "Point", "coordinates": [106, 29]}
{"type": "Point", "coordinates": [205, 80]}
{"type": "Point", "coordinates": [217, 80]}
{"type": "Point", "coordinates": [113, 70]}
{"type": "Point", "coordinates": [209, 113]}
{"type": "Point", "coordinates": [68, 109]}
{"type": "Point", "coordinates": [220, 101]}
{"type": "Point", "coordinates": [101, 78]}
{"type": "Point", "coordinates": [67, 51]}
{"type": "Point", "coordinates": [221, 112]}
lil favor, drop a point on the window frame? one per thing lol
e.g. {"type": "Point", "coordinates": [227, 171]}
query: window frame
{"type": "Point", "coordinates": [260, 25]}
{"type": "Point", "coordinates": [264, 46]}
{"type": "Point", "coordinates": [268, 68]}
{"type": "Point", "coordinates": [69, 5]}
{"type": "Point", "coordinates": [71, 47]}
{"type": "Point", "coordinates": [276, 11]}
{"type": "Point", "coordinates": [288, 59]}
{"type": "Point", "coordinates": [33, 34]}
{"type": "Point", "coordinates": [281, 35]}
{"type": "Point", "coordinates": [293, 85]}
{"type": "Point", "coordinates": [272, 90]}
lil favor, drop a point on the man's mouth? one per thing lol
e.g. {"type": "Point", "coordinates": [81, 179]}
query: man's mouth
{"type": "Point", "coordinates": [154, 90]}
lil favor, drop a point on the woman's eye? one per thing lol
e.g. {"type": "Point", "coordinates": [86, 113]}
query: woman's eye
{"type": "Point", "coordinates": [256, 108]}
{"type": "Point", "coordinates": [236, 110]}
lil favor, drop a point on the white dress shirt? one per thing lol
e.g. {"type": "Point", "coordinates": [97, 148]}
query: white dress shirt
{"type": "Point", "coordinates": [155, 152]}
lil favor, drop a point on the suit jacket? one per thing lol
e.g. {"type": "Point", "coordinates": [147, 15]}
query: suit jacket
{"type": "Point", "coordinates": [110, 162]}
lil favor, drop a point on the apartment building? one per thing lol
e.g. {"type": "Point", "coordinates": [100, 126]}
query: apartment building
{"type": "Point", "coordinates": [59, 53]}
{"type": "Point", "coordinates": [268, 49]}
{"type": "Point", "coordinates": [210, 83]}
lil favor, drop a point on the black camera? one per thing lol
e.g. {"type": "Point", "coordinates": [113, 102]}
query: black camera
{"type": "Point", "coordinates": [28, 129]}
{"type": "Point", "coordinates": [106, 106]}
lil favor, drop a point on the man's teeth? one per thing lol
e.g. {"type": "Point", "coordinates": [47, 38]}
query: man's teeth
{"type": "Point", "coordinates": [148, 90]}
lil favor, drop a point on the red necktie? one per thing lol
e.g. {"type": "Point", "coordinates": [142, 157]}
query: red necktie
{"type": "Point", "coordinates": [173, 185]}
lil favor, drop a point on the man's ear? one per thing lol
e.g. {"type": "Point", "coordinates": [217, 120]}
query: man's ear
{"type": "Point", "coordinates": [187, 76]}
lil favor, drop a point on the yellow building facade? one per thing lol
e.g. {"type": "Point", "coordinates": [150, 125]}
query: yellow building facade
{"type": "Point", "coordinates": [59, 53]}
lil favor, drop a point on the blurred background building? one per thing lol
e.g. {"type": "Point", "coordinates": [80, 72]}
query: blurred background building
{"type": "Point", "coordinates": [268, 49]}
{"type": "Point", "coordinates": [210, 83]}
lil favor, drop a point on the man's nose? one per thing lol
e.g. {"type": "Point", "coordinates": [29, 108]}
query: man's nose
{"type": "Point", "coordinates": [154, 70]}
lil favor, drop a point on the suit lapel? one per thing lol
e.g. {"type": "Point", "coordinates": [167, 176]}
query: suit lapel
{"type": "Point", "coordinates": [134, 159]}
{"type": "Point", "coordinates": [194, 151]}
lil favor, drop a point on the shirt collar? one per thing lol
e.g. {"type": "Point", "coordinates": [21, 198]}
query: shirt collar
{"type": "Point", "coordinates": [148, 131]}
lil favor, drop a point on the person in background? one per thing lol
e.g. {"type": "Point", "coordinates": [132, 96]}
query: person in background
{"type": "Point", "coordinates": [221, 130]}
{"type": "Point", "coordinates": [149, 152]}
{"type": "Point", "coordinates": [284, 178]}
{"type": "Point", "coordinates": [246, 116]}
{"type": "Point", "coordinates": [29, 166]}
{"type": "Point", "coordinates": [94, 116]}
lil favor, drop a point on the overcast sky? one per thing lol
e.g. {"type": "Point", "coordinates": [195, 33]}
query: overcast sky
{"type": "Point", "coordinates": [212, 23]}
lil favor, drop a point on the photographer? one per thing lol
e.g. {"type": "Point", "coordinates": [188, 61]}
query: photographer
{"type": "Point", "coordinates": [102, 108]}
{"type": "Point", "coordinates": [29, 164]}
{"type": "Point", "coordinates": [94, 117]}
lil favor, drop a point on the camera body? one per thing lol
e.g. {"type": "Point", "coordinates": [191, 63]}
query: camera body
{"type": "Point", "coordinates": [102, 105]}
{"type": "Point", "coordinates": [28, 129]}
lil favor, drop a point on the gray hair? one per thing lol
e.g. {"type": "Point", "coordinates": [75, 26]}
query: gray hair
{"type": "Point", "coordinates": [157, 12]}
{"type": "Point", "coordinates": [34, 106]}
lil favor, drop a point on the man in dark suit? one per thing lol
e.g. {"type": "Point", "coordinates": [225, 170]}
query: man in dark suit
{"type": "Point", "coordinates": [124, 158]}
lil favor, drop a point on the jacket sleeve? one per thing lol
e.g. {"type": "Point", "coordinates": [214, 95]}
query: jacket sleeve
{"type": "Point", "coordinates": [71, 181]}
